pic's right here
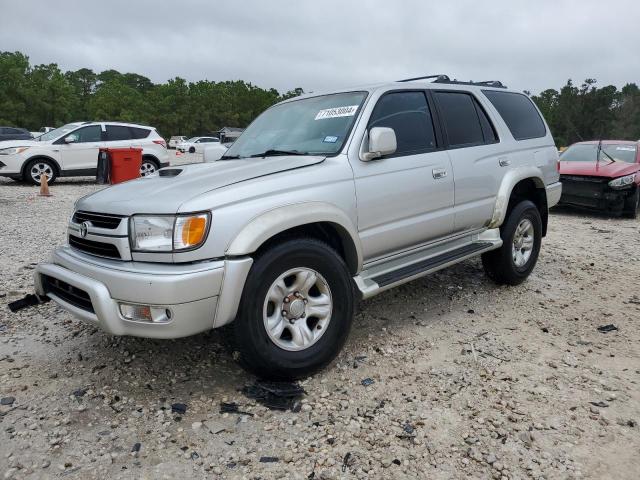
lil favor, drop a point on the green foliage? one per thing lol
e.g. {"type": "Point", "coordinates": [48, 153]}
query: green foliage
{"type": "Point", "coordinates": [590, 113]}
{"type": "Point", "coordinates": [42, 95]}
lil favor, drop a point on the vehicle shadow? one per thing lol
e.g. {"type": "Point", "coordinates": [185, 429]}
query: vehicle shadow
{"type": "Point", "coordinates": [76, 181]}
{"type": "Point", "coordinates": [577, 212]}
{"type": "Point", "coordinates": [204, 363]}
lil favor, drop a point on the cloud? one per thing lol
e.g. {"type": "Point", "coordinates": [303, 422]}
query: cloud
{"type": "Point", "coordinates": [322, 45]}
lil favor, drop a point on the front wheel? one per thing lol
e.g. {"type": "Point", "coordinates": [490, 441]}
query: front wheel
{"type": "Point", "coordinates": [37, 168]}
{"type": "Point", "coordinates": [521, 236]}
{"type": "Point", "coordinates": [296, 310]}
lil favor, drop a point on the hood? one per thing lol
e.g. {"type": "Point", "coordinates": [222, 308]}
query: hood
{"type": "Point", "coordinates": [599, 169]}
{"type": "Point", "coordinates": [19, 143]}
{"type": "Point", "coordinates": [167, 190]}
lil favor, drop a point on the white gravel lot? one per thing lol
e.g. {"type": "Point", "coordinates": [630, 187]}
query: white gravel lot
{"type": "Point", "coordinates": [470, 380]}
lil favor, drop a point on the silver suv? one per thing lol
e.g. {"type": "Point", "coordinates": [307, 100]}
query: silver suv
{"type": "Point", "coordinates": [324, 200]}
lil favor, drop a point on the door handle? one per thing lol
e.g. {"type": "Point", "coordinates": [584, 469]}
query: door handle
{"type": "Point", "coordinates": [439, 173]}
{"type": "Point", "coordinates": [504, 161]}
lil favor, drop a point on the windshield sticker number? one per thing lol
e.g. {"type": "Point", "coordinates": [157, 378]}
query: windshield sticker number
{"type": "Point", "coordinates": [330, 139]}
{"type": "Point", "coordinates": [348, 111]}
{"type": "Point", "coordinates": [626, 149]}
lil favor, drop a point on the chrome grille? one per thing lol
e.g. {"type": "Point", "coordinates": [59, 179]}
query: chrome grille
{"type": "Point", "coordinates": [99, 220]}
{"type": "Point", "coordinates": [94, 248]}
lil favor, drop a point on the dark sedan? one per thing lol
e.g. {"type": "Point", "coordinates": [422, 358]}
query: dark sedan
{"type": "Point", "coordinates": [12, 133]}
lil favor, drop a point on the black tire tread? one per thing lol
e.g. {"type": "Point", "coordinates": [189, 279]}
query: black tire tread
{"type": "Point", "coordinates": [498, 264]}
{"type": "Point", "coordinates": [236, 334]}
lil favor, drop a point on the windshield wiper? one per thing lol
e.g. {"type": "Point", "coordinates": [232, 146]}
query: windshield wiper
{"type": "Point", "coordinates": [229, 157]}
{"type": "Point", "coordinates": [600, 150]}
{"type": "Point", "coordinates": [275, 153]}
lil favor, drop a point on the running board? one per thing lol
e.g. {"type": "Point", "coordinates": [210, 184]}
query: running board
{"type": "Point", "coordinates": [384, 276]}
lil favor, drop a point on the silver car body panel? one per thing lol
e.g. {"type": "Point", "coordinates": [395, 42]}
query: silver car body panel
{"type": "Point", "coordinates": [391, 214]}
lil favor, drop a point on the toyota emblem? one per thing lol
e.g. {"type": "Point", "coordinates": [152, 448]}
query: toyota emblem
{"type": "Point", "coordinates": [84, 229]}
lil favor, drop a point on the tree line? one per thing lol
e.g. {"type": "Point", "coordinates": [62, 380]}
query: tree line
{"type": "Point", "coordinates": [43, 95]}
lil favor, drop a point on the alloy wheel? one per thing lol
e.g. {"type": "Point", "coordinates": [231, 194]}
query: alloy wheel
{"type": "Point", "coordinates": [297, 309]}
{"type": "Point", "coordinates": [523, 241]}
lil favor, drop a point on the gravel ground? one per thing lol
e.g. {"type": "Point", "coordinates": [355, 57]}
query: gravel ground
{"type": "Point", "coordinates": [463, 379]}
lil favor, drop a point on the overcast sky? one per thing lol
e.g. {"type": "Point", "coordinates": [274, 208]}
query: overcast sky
{"type": "Point", "coordinates": [324, 44]}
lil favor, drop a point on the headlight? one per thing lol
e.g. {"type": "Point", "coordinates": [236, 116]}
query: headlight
{"type": "Point", "coordinates": [623, 181]}
{"type": "Point", "coordinates": [13, 150]}
{"type": "Point", "coordinates": [168, 233]}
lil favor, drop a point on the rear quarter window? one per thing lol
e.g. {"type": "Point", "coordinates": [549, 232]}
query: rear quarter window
{"type": "Point", "coordinates": [137, 133]}
{"type": "Point", "coordinates": [519, 113]}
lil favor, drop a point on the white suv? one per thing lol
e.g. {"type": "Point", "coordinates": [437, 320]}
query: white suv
{"type": "Point", "coordinates": [72, 150]}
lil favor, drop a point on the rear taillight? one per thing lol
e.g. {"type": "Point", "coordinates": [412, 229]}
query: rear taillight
{"type": "Point", "coordinates": [160, 142]}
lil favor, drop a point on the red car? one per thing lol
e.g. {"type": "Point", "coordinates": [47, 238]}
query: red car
{"type": "Point", "coordinates": [602, 175]}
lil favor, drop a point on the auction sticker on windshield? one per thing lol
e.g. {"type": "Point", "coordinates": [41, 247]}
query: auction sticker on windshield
{"type": "Point", "coordinates": [348, 111]}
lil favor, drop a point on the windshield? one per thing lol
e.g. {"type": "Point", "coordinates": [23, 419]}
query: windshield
{"type": "Point", "coordinates": [619, 152]}
{"type": "Point", "coordinates": [317, 125]}
{"type": "Point", "coordinates": [58, 132]}
{"type": "Point", "coordinates": [192, 139]}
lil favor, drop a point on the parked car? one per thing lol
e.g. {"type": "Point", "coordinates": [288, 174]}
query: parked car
{"type": "Point", "coordinates": [324, 199]}
{"type": "Point", "coordinates": [196, 144]}
{"type": "Point", "coordinates": [12, 133]}
{"type": "Point", "coordinates": [72, 150]}
{"type": "Point", "coordinates": [214, 151]}
{"type": "Point", "coordinates": [602, 175]}
{"type": "Point", "coordinates": [41, 131]}
{"type": "Point", "coordinates": [174, 141]}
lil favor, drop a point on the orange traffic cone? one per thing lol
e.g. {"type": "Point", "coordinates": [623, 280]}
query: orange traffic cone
{"type": "Point", "coordinates": [44, 186]}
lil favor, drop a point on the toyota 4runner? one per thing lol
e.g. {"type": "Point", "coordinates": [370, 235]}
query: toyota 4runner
{"type": "Point", "coordinates": [324, 200]}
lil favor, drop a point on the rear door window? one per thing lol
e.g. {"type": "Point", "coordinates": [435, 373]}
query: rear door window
{"type": "Point", "coordinates": [118, 132]}
{"type": "Point", "coordinates": [519, 113]}
{"type": "Point", "coordinates": [460, 118]}
{"type": "Point", "coordinates": [408, 114]}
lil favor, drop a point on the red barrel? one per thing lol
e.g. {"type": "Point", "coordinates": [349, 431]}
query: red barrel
{"type": "Point", "coordinates": [124, 163]}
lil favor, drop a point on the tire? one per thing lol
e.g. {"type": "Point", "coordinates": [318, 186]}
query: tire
{"type": "Point", "coordinates": [147, 167]}
{"type": "Point", "coordinates": [505, 265]}
{"type": "Point", "coordinates": [632, 205]}
{"type": "Point", "coordinates": [36, 167]}
{"type": "Point", "coordinates": [298, 345]}
{"type": "Point", "coordinates": [192, 149]}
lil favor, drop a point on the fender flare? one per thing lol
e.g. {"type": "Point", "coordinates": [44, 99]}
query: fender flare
{"type": "Point", "coordinates": [272, 222]}
{"type": "Point", "coordinates": [511, 178]}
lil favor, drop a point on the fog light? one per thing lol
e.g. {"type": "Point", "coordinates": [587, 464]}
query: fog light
{"type": "Point", "coordinates": [145, 313]}
{"type": "Point", "coordinates": [138, 313]}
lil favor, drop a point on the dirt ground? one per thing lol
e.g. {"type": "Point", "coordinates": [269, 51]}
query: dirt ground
{"type": "Point", "coordinates": [468, 379]}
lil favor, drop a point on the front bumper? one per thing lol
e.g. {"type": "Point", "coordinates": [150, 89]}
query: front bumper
{"type": "Point", "coordinates": [11, 165]}
{"type": "Point", "coordinates": [197, 296]}
{"type": "Point", "coordinates": [594, 193]}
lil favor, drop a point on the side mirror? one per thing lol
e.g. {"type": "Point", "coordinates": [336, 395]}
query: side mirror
{"type": "Point", "coordinates": [382, 141]}
{"type": "Point", "coordinates": [70, 139]}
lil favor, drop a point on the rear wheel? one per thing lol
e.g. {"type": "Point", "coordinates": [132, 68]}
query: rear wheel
{"type": "Point", "coordinates": [147, 167]}
{"type": "Point", "coordinates": [632, 205]}
{"type": "Point", "coordinates": [521, 235]}
{"type": "Point", "coordinates": [296, 310]}
{"type": "Point", "coordinates": [192, 149]}
{"type": "Point", "coordinates": [39, 167]}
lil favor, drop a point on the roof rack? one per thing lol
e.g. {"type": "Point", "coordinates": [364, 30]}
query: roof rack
{"type": "Point", "coordinates": [440, 78]}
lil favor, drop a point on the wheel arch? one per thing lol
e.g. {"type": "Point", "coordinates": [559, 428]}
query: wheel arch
{"type": "Point", "coordinates": [520, 184]}
{"type": "Point", "coordinates": [55, 163]}
{"type": "Point", "coordinates": [314, 219]}
{"type": "Point", "coordinates": [153, 158]}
